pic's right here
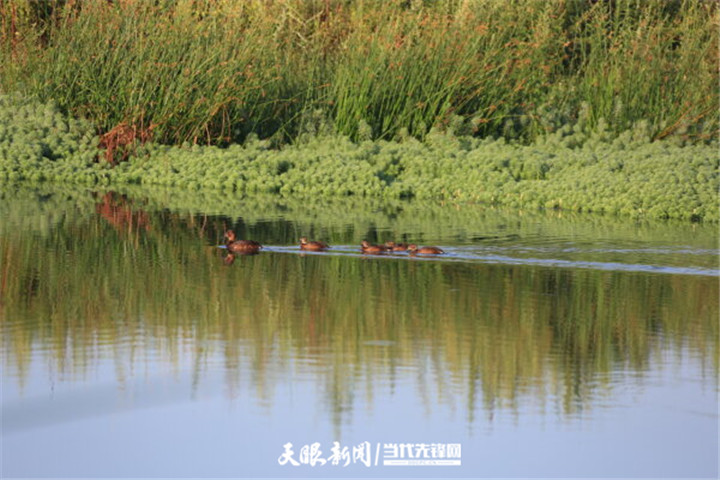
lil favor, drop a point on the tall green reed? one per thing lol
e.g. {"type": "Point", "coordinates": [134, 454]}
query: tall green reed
{"type": "Point", "coordinates": [185, 75]}
{"type": "Point", "coordinates": [648, 61]}
{"type": "Point", "coordinates": [215, 72]}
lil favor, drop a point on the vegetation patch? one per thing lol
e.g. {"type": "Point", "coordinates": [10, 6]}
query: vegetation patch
{"type": "Point", "coordinates": [578, 106]}
{"type": "Point", "coordinates": [567, 170]}
{"type": "Point", "coordinates": [216, 71]}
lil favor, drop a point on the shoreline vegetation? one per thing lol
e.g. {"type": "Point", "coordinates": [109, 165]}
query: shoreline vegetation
{"type": "Point", "coordinates": [606, 107]}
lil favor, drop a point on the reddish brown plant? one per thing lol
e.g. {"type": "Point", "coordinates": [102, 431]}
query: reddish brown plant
{"type": "Point", "coordinates": [122, 139]}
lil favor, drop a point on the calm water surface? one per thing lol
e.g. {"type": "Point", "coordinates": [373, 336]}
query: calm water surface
{"type": "Point", "coordinates": [540, 345]}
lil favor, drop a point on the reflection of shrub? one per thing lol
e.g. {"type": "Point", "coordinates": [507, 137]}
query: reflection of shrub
{"type": "Point", "coordinates": [558, 326]}
{"type": "Point", "coordinates": [569, 169]}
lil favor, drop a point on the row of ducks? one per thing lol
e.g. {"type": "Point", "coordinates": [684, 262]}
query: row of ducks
{"type": "Point", "coordinates": [251, 246]}
{"type": "Point", "coordinates": [367, 247]}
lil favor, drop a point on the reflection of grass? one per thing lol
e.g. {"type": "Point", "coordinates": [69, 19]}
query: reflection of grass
{"type": "Point", "coordinates": [496, 332]}
{"type": "Point", "coordinates": [344, 220]}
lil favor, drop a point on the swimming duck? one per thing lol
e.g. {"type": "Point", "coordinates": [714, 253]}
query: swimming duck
{"type": "Point", "coordinates": [241, 246]}
{"type": "Point", "coordinates": [368, 247]}
{"type": "Point", "coordinates": [305, 245]}
{"type": "Point", "coordinates": [414, 249]}
{"type": "Point", "coordinates": [396, 247]}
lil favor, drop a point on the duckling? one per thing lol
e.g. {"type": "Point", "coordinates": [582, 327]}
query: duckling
{"type": "Point", "coordinates": [241, 246]}
{"type": "Point", "coordinates": [367, 247]}
{"type": "Point", "coordinates": [317, 246]}
{"type": "Point", "coordinates": [396, 247]}
{"type": "Point", "coordinates": [414, 249]}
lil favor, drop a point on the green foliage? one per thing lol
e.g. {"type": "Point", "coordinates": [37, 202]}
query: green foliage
{"type": "Point", "coordinates": [39, 143]}
{"type": "Point", "coordinates": [636, 61]}
{"type": "Point", "coordinates": [568, 170]}
{"type": "Point", "coordinates": [215, 72]}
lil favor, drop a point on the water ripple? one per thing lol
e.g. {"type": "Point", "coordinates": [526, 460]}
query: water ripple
{"type": "Point", "coordinates": [464, 254]}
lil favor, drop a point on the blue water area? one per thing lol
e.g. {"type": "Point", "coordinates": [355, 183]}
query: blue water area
{"type": "Point", "coordinates": [535, 346]}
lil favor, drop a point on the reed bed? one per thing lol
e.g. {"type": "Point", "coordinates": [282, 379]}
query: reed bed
{"type": "Point", "coordinates": [214, 72]}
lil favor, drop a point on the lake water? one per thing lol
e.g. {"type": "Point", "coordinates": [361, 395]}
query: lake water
{"type": "Point", "coordinates": [540, 344]}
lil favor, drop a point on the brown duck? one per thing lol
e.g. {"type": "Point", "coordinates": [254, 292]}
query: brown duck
{"type": "Point", "coordinates": [414, 249]}
{"type": "Point", "coordinates": [316, 246]}
{"type": "Point", "coordinates": [367, 247]}
{"type": "Point", "coordinates": [396, 247]}
{"type": "Point", "coordinates": [241, 246]}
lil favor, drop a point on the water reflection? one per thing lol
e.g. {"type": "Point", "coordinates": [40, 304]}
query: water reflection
{"type": "Point", "coordinates": [123, 296]}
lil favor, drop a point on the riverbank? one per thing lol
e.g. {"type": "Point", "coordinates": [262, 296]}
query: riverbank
{"type": "Point", "coordinates": [569, 170]}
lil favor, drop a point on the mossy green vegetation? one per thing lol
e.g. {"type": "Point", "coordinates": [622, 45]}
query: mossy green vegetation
{"type": "Point", "coordinates": [39, 143]}
{"type": "Point", "coordinates": [568, 170]}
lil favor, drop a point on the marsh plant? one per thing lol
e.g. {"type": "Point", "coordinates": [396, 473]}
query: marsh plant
{"type": "Point", "coordinates": [568, 170]}
{"type": "Point", "coordinates": [604, 107]}
{"type": "Point", "coordinates": [214, 72]}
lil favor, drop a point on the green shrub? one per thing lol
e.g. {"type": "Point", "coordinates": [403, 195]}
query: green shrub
{"type": "Point", "coordinates": [627, 175]}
